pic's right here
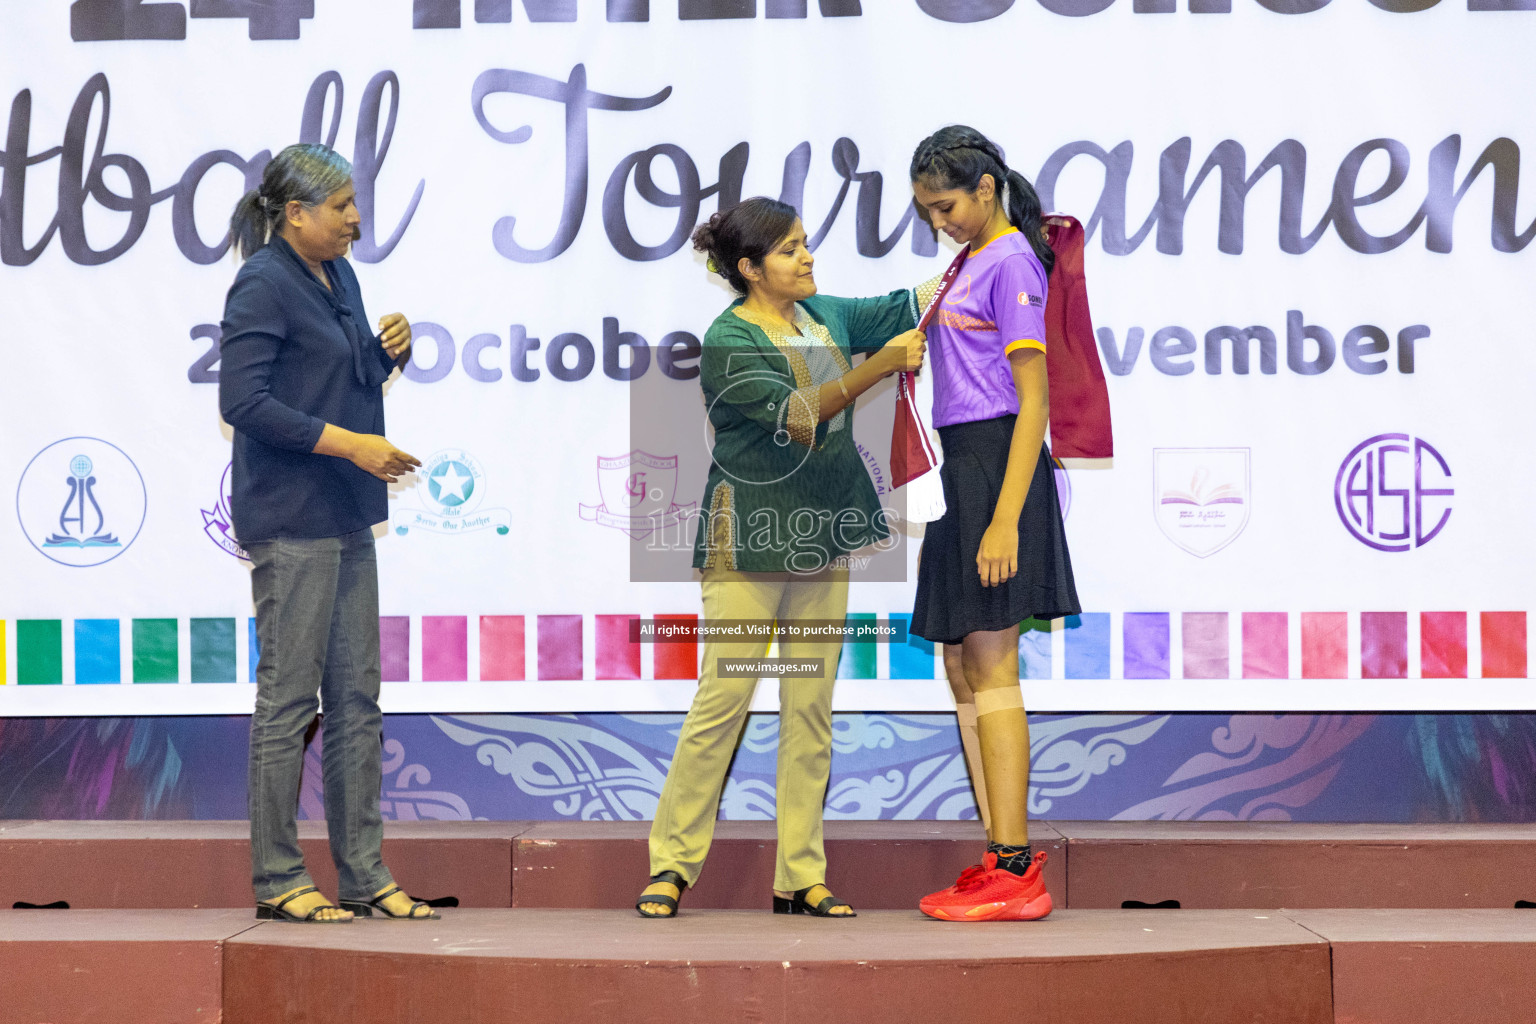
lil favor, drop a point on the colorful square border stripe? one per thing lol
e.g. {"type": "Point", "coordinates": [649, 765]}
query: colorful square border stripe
{"type": "Point", "coordinates": [1148, 645]}
{"type": "Point", "coordinates": [39, 652]}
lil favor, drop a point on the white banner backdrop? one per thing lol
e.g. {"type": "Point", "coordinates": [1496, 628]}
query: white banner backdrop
{"type": "Point", "coordinates": [1329, 511]}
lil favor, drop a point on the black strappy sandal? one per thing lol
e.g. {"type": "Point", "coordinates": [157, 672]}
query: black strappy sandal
{"type": "Point", "coordinates": [797, 904]}
{"type": "Point", "coordinates": [670, 878]}
{"type": "Point", "coordinates": [276, 911]}
{"type": "Point", "coordinates": [366, 908]}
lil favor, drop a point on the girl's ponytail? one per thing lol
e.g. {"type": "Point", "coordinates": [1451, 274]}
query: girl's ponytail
{"type": "Point", "coordinates": [1024, 213]}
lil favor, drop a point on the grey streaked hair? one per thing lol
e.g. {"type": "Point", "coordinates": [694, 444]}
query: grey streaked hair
{"type": "Point", "coordinates": [306, 172]}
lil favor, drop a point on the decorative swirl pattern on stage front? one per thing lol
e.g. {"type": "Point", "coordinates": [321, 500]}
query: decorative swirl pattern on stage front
{"type": "Point", "coordinates": [885, 765]}
{"type": "Point", "coordinates": [897, 766]}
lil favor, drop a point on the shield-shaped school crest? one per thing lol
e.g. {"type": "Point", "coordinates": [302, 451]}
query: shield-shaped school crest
{"type": "Point", "coordinates": [1200, 496]}
{"type": "Point", "coordinates": [637, 491]}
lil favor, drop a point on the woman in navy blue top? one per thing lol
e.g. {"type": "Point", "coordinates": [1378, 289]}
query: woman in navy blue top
{"type": "Point", "coordinates": [301, 382]}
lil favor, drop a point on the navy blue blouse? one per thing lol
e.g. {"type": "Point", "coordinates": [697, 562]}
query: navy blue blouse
{"type": "Point", "coordinates": [294, 357]}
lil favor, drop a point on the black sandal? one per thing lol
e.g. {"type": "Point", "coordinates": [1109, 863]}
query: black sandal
{"type": "Point", "coordinates": [797, 904]}
{"type": "Point", "coordinates": [275, 912]}
{"type": "Point", "coordinates": [669, 878]}
{"type": "Point", "coordinates": [366, 908]}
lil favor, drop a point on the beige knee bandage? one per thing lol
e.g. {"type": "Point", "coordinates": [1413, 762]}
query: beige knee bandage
{"type": "Point", "coordinates": [1004, 698]}
{"type": "Point", "coordinates": [970, 743]}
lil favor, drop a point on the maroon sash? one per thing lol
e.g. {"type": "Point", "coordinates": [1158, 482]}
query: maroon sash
{"type": "Point", "coordinates": [912, 452]}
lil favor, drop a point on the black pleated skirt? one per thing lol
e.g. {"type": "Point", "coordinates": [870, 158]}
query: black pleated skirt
{"type": "Point", "coordinates": [951, 601]}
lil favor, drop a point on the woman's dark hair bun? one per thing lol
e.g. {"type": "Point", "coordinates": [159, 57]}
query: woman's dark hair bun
{"type": "Point", "coordinates": [704, 234]}
{"type": "Point", "coordinates": [749, 230]}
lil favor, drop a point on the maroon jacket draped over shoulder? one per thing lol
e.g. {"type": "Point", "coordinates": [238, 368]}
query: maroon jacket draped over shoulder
{"type": "Point", "coordinates": [1080, 424]}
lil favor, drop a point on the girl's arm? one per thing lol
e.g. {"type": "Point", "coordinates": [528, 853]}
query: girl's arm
{"type": "Point", "coordinates": [997, 560]}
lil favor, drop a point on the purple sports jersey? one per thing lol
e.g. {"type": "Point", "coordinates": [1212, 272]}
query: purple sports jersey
{"type": "Point", "coordinates": [995, 307]}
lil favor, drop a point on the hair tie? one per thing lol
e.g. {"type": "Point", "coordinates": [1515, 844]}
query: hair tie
{"type": "Point", "coordinates": [711, 265]}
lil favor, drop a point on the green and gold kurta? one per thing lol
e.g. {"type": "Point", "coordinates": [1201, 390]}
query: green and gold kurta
{"type": "Point", "coordinates": [787, 492]}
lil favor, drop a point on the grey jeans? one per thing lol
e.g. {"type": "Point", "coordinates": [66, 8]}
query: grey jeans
{"type": "Point", "coordinates": [317, 624]}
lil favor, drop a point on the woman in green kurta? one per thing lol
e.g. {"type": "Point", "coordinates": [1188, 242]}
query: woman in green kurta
{"type": "Point", "coordinates": [787, 497]}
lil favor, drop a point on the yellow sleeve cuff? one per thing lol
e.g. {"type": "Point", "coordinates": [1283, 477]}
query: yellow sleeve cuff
{"type": "Point", "coordinates": [1014, 346]}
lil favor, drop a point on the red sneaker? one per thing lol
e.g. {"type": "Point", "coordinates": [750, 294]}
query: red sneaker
{"type": "Point", "coordinates": [986, 892]}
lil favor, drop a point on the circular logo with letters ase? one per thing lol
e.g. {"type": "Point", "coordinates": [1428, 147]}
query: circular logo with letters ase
{"type": "Point", "coordinates": [81, 501]}
{"type": "Point", "coordinates": [1393, 492]}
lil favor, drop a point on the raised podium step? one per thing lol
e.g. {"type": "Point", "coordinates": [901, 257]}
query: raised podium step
{"type": "Point", "coordinates": [558, 966]}
{"type": "Point", "coordinates": [191, 864]}
{"type": "Point", "coordinates": [1414, 966]}
{"type": "Point", "coordinates": [118, 966]}
{"type": "Point", "coordinates": [578, 966]}
{"type": "Point", "coordinates": [875, 865]}
{"type": "Point", "coordinates": [1259, 864]}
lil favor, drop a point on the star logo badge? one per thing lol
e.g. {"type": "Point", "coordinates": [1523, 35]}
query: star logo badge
{"type": "Point", "coordinates": [451, 484]}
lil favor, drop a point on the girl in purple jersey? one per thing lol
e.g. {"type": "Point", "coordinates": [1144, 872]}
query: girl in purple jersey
{"type": "Point", "coordinates": [999, 554]}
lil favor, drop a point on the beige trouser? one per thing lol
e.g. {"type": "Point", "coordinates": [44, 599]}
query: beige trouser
{"type": "Point", "coordinates": [690, 799]}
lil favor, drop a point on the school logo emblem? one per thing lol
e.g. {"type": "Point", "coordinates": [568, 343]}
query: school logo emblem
{"type": "Point", "coordinates": [451, 486]}
{"type": "Point", "coordinates": [637, 491]}
{"type": "Point", "coordinates": [1200, 496]}
{"type": "Point", "coordinates": [1393, 492]}
{"type": "Point", "coordinates": [217, 521]}
{"type": "Point", "coordinates": [81, 501]}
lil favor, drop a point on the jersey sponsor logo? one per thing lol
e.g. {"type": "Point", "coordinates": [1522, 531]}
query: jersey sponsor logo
{"type": "Point", "coordinates": [1026, 299]}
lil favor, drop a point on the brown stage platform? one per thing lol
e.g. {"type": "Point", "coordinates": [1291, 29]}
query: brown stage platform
{"type": "Point", "coordinates": [714, 966]}
{"type": "Point", "coordinates": [117, 966]}
{"type": "Point", "coordinates": [874, 864]}
{"type": "Point", "coordinates": [879, 865]}
{"type": "Point", "coordinates": [1214, 865]}
{"type": "Point", "coordinates": [558, 966]}
{"type": "Point", "coordinates": [1394, 966]}
{"type": "Point", "coordinates": [192, 864]}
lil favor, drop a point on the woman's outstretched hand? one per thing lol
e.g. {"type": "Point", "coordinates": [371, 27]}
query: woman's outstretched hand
{"type": "Point", "coordinates": [371, 453]}
{"type": "Point", "coordinates": [904, 353]}
{"type": "Point", "coordinates": [374, 454]}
